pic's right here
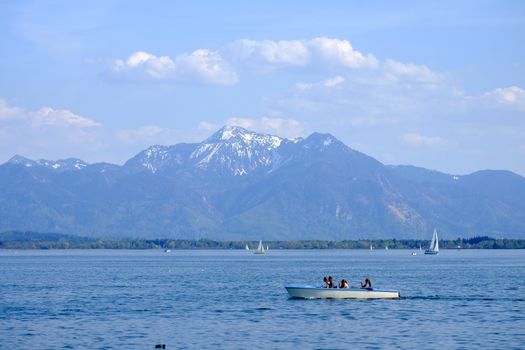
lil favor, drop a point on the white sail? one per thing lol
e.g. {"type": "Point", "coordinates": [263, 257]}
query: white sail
{"type": "Point", "coordinates": [260, 249]}
{"type": "Point", "coordinates": [433, 241]}
{"type": "Point", "coordinates": [267, 248]}
{"type": "Point", "coordinates": [371, 248]}
{"type": "Point", "coordinates": [246, 247]}
{"type": "Point", "coordinates": [434, 244]}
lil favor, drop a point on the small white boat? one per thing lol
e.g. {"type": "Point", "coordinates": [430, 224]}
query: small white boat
{"type": "Point", "coordinates": [414, 253]}
{"type": "Point", "coordinates": [260, 249]}
{"type": "Point", "coordinates": [246, 247]}
{"type": "Point", "coordinates": [433, 249]}
{"type": "Point", "coordinates": [371, 247]}
{"type": "Point", "coordinates": [386, 247]}
{"type": "Point", "coordinates": [167, 250]}
{"type": "Point", "coordinates": [313, 292]}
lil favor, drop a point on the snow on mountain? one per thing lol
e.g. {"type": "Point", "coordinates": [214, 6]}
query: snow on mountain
{"type": "Point", "coordinates": [153, 158]}
{"type": "Point", "coordinates": [156, 158]}
{"type": "Point", "coordinates": [22, 161]}
{"type": "Point", "coordinates": [236, 151]}
{"type": "Point", "coordinates": [231, 151]}
{"type": "Point", "coordinates": [58, 165]}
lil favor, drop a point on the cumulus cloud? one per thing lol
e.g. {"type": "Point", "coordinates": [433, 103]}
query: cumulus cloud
{"type": "Point", "coordinates": [60, 117]}
{"type": "Point", "coordinates": [512, 96]}
{"type": "Point", "coordinates": [396, 70]}
{"type": "Point", "coordinates": [201, 65]}
{"type": "Point", "coordinates": [416, 139]}
{"type": "Point", "coordinates": [335, 52]}
{"type": "Point", "coordinates": [278, 53]}
{"type": "Point", "coordinates": [289, 128]}
{"type": "Point", "coordinates": [341, 52]}
{"type": "Point", "coordinates": [45, 116]}
{"type": "Point", "coordinates": [47, 132]}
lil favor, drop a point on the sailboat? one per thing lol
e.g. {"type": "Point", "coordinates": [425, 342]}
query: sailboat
{"type": "Point", "coordinates": [260, 249]}
{"type": "Point", "coordinates": [433, 249]}
{"type": "Point", "coordinates": [246, 247]}
{"type": "Point", "coordinates": [371, 247]}
{"type": "Point", "coordinates": [267, 248]}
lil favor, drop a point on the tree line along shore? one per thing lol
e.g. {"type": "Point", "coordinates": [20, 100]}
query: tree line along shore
{"type": "Point", "coordinates": [30, 240]}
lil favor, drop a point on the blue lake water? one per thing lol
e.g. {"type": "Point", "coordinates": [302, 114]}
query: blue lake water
{"type": "Point", "coordinates": [103, 299]}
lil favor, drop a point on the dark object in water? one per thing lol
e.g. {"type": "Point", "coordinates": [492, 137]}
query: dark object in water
{"type": "Point", "coordinates": [160, 346]}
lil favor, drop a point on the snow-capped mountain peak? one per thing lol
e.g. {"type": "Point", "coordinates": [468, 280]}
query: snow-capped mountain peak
{"type": "Point", "coordinates": [233, 134]}
{"type": "Point", "coordinates": [153, 157]}
{"type": "Point", "coordinates": [236, 150]}
{"type": "Point", "coordinates": [59, 165]}
{"type": "Point", "coordinates": [17, 159]}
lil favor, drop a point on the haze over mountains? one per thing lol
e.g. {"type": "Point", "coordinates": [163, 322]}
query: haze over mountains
{"type": "Point", "coordinates": [239, 184]}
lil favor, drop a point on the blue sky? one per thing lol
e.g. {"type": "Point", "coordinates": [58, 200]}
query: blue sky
{"type": "Point", "coordinates": [434, 84]}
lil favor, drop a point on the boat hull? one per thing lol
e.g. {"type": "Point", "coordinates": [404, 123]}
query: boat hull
{"type": "Point", "coordinates": [431, 252]}
{"type": "Point", "coordinates": [312, 292]}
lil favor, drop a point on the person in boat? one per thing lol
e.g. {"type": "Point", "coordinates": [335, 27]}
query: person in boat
{"type": "Point", "coordinates": [344, 284]}
{"type": "Point", "coordinates": [331, 282]}
{"type": "Point", "coordinates": [325, 281]}
{"type": "Point", "coordinates": [367, 283]}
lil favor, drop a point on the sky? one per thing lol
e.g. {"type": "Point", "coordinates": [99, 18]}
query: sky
{"type": "Point", "coordinates": [436, 84]}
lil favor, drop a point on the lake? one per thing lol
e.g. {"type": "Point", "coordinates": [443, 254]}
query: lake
{"type": "Point", "coordinates": [209, 299]}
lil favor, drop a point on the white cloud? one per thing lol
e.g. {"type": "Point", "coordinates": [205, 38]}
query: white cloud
{"type": "Point", "coordinates": [514, 96]}
{"type": "Point", "coordinates": [7, 112]}
{"type": "Point", "coordinates": [148, 64]}
{"type": "Point", "coordinates": [340, 52]}
{"type": "Point", "coordinates": [289, 128]}
{"type": "Point", "coordinates": [47, 133]}
{"type": "Point", "coordinates": [279, 53]}
{"type": "Point", "coordinates": [396, 70]}
{"type": "Point", "coordinates": [415, 139]}
{"type": "Point", "coordinates": [199, 66]}
{"type": "Point", "coordinates": [334, 81]}
{"type": "Point", "coordinates": [45, 116]}
{"type": "Point", "coordinates": [320, 51]}
{"type": "Point", "coordinates": [328, 83]}
{"type": "Point", "coordinates": [60, 117]}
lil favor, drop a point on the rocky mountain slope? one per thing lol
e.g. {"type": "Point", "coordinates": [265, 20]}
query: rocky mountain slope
{"type": "Point", "coordinates": [239, 184]}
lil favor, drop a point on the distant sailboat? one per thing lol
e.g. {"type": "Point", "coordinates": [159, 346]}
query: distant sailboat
{"type": "Point", "coordinates": [260, 249]}
{"type": "Point", "coordinates": [386, 247]}
{"type": "Point", "coordinates": [371, 247]}
{"type": "Point", "coordinates": [267, 248]}
{"type": "Point", "coordinates": [433, 249]}
{"type": "Point", "coordinates": [420, 249]}
{"type": "Point", "coordinates": [246, 247]}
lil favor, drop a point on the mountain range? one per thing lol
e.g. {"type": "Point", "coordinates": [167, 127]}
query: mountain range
{"type": "Point", "coordinates": [239, 184]}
